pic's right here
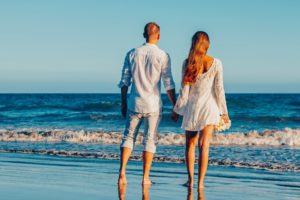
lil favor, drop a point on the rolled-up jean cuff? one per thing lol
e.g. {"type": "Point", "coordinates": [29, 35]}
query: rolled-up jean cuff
{"type": "Point", "coordinates": [150, 148]}
{"type": "Point", "coordinates": [127, 144]}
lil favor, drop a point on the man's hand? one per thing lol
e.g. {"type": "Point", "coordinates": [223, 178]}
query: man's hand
{"type": "Point", "coordinates": [174, 116]}
{"type": "Point", "coordinates": [124, 109]}
{"type": "Point", "coordinates": [124, 100]}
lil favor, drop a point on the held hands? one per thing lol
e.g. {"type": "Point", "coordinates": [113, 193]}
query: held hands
{"type": "Point", "coordinates": [124, 109]}
{"type": "Point", "coordinates": [174, 116]}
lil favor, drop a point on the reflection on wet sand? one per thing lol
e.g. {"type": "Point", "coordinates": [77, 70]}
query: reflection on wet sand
{"type": "Point", "coordinates": [122, 192]}
{"type": "Point", "coordinates": [190, 194]}
{"type": "Point", "coordinates": [146, 192]}
{"type": "Point", "coordinates": [146, 195]}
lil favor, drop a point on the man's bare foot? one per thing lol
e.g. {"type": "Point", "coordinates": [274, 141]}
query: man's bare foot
{"type": "Point", "coordinates": [146, 181]}
{"type": "Point", "coordinates": [122, 179]}
{"type": "Point", "coordinates": [189, 184]}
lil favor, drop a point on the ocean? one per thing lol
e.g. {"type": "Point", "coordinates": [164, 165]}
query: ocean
{"type": "Point", "coordinates": [265, 132]}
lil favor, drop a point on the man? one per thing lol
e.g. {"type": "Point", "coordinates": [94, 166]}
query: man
{"type": "Point", "coordinates": [145, 66]}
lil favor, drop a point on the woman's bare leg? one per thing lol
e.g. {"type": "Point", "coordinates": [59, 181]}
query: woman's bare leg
{"type": "Point", "coordinates": [204, 141]}
{"type": "Point", "coordinates": [191, 142]}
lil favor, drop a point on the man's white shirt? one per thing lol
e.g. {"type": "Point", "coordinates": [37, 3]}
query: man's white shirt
{"type": "Point", "coordinates": [144, 68]}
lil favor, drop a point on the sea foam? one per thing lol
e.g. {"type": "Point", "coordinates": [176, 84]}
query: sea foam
{"type": "Point", "coordinates": [285, 137]}
{"type": "Point", "coordinates": [263, 165]}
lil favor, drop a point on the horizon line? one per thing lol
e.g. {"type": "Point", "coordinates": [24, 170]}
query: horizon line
{"type": "Point", "coordinates": [2, 93]}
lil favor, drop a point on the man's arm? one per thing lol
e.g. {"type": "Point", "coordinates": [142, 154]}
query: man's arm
{"type": "Point", "coordinates": [172, 96]}
{"type": "Point", "coordinates": [124, 90]}
{"type": "Point", "coordinates": [168, 80]}
{"type": "Point", "coordinates": [169, 85]}
{"type": "Point", "coordinates": [125, 83]}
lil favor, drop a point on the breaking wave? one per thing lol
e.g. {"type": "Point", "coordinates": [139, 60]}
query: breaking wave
{"type": "Point", "coordinates": [285, 137]}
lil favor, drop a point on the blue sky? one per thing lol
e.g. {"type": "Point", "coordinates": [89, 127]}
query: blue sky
{"type": "Point", "coordinates": [79, 46]}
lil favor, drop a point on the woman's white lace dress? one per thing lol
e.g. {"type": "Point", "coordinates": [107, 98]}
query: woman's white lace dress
{"type": "Point", "coordinates": [202, 103]}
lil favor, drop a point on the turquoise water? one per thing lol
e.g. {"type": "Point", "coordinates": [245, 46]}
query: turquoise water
{"type": "Point", "coordinates": [102, 111]}
{"type": "Point", "coordinates": [265, 132]}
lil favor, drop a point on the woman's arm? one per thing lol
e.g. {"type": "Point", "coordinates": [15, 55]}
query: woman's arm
{"type": "Point", "coordinates": [183, 95]}
{"type": "Point", "coordinates": [219, 90]}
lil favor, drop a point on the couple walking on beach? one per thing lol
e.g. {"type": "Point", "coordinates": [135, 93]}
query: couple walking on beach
{"type": "Point", "coordinates": [201, 100]}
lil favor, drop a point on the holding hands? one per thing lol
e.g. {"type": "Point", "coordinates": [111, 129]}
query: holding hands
{"type": "Point", "coordinates": [174, 116]}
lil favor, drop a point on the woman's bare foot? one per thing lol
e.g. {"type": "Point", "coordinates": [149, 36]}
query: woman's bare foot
{"type": "Point", "coordinates": [122, 179]}
{"type": "Point", "coordinates": [146, 181]}
{"type": "Point", "coordinates": [189, 183]}
{"type": "Point", "coordinates": [200, 185]}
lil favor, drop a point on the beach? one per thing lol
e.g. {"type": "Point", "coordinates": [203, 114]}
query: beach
{"type": "Point", "coordinates": [31, 176]}
{"type": "Point", "coordinates": [66, 146]}
{"type": "Point", "coordinates": [80, 80]}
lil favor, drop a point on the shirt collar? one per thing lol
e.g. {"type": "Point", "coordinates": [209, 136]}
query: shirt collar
{"type": "Point", "coordinates": [149, 44]}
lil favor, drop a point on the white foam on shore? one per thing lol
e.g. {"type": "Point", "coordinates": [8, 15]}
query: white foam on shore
{"type": "Point", "coordinates": [285, 137]}
{"type": "Point", "coordinates": [116, 156]}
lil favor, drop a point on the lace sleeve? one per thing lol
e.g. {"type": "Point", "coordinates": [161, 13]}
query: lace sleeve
{"type": "Point", "coordinates": [183, 96]}
{"type": "Point", "coordinates": [219, 90]}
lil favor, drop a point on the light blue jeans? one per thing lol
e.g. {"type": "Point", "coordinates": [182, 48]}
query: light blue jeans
{"type": "Point", "coordinates": [133, 123]}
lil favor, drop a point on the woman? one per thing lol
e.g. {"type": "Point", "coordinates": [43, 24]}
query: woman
{"type": "Point", "coordinates": [201, 102]}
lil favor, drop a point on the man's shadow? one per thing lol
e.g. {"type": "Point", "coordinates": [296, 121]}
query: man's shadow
{"type": "Point", "coordinates": [145, 189]}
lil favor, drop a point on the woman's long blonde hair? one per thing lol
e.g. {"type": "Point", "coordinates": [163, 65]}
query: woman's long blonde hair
{"type": "Point", "coordinates": [195, 59]}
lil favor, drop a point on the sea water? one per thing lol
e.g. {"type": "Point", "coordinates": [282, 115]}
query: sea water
{"type": "Point", "coordinates": [265, 132]}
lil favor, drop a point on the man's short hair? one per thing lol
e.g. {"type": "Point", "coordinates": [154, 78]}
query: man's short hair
{"type": "Point", "coordinates": [151, 28]}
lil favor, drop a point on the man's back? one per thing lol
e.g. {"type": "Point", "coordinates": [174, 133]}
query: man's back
{"type": "Point", "coordinates": [146, 65]}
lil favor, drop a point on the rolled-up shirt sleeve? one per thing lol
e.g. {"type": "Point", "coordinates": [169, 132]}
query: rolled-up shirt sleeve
{"type": "Point", "coordinates": [167, 77]}
{"type": "Point", "coordinates": [126, 72]}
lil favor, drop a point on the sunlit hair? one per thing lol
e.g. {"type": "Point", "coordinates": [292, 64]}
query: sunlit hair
{"type": "Point", "coordinates": [150, 28]}
{"type": "Point", "coordinates": [199, 47]}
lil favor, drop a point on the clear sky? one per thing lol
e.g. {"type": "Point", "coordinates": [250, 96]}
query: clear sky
{"type": "Point", "coordinates": [79, 46]}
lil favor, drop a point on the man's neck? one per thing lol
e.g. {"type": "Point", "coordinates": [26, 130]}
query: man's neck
{"type": "Point", "coordinates": [152, 42]}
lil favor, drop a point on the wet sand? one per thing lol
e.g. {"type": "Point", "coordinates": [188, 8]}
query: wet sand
{"type": "Point", "coordinates": [30, 176]}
